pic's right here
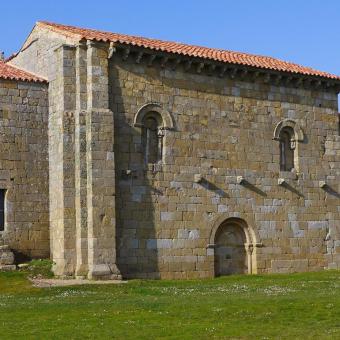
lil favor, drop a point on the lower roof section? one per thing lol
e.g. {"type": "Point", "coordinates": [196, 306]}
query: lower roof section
{"type": "Point", "coordinates": [9, 72]}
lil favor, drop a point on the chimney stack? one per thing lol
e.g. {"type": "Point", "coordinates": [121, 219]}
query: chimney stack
{"type": "Point", "coordinates": [2, 56]}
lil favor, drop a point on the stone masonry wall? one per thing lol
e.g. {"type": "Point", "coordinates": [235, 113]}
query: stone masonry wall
{"type": "Point", "coordinates": [223, 129]}
{"type": "Point", "coordinates": [24, 166]}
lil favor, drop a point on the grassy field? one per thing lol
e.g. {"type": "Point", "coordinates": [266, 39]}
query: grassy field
{"type": "Point", "coordinates": [239, 307]}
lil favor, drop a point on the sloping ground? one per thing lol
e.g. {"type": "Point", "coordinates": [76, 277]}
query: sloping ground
{"type": "Point", "coordinates": [239, 307]}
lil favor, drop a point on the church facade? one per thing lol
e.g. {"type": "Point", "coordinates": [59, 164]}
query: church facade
{"type": "Point", "coordinates": [129, 157]}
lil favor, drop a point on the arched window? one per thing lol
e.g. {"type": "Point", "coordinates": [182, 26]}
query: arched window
{"type": "Point", "coordinates": [290, 135]}
{"type": "Point", "coordinates": [154, 122]}
{"type": "Point", "coordinates": [287, 147]}
{"type": "Point", "coordinates": [152, 138]}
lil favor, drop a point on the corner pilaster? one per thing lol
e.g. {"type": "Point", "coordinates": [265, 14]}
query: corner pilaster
{"type": "Point", "coordinates": [80, 162]}
{"type": "Point", "coordinates": [61, 162]}
{"type": "Point", "coordinates": [101, 219]}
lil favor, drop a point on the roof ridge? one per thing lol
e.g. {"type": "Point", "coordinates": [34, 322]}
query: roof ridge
{"type": "Point", "coordinates": [216, 54]}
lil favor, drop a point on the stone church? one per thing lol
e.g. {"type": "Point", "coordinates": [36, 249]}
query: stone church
{"type": "Point", "coordinates": [123, 156]}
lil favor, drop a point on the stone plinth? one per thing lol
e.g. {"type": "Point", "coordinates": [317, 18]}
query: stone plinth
{"type": "Point", "coordinates": [6, 258]}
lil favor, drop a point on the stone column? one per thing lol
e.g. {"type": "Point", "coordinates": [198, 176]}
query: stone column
{"type": "Point", "coordinates": [80, 162]}
{"type": "Point", "coordinates": [61, 162]}
{"type": "Point", "coordinates": [101, 219]}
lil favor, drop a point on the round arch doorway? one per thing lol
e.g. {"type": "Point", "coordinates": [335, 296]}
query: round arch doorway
{"type": "Point", "coordinates": [233, 248]}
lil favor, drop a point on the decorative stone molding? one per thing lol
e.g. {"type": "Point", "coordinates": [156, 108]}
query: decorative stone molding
{"type": "Point", "coordinates": [298, 133]}
{"type": "Point", "coordinates": [251, 239]}
{"type": "Point", "coordinates": [167, 120]}
{"type": "Point", "coordinates": [249, 231]}
{"type": "Point", "coordinates": [296, 137]}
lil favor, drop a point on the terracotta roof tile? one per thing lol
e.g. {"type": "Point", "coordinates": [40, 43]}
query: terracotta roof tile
{"type": "Point", "coordinates": [187, 50]}
{"type": "Point", "coordinates": [10, 72]}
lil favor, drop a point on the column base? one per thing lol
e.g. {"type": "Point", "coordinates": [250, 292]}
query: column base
{"type": "Point", "coordinates": [104, 272]}
{"type": "Point", "coordinates": [61, 268]}
{"type": "Point", "coordinates": [82, 271]}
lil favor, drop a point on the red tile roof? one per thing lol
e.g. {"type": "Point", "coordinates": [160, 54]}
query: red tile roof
{"type": "Point", "coordinates": [10, 72]}
{"type": "Point", "coordinates": [229, 57]}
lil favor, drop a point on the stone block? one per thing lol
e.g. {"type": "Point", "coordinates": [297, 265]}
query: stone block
{"type": "Point", "coordinates": [6, 256]}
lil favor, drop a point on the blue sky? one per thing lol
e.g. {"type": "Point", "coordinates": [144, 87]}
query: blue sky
{"type": "Point", "coordinates": [302, 31]}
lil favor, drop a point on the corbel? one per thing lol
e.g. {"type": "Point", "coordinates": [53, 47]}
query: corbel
{"type": "Point", "coordinates": [139, 57]}
{"type": "Point", "coordinates": [281, 182]}
{"type": "Point", "coordinates": [198, 178]}
{"type": "Point", "coordinates": [82, 44]}
{"type": "Point", "coordinates": [165, 59]}
{"type": "Point", "coordinates": [240, 180]}
{"type": "Point", "coordinates": [266, 78]}
{"type": "Point", "coordinates": [200, 67]}
{"type": "Point", "coordinates": [232, 73]}
{"type": "Point", "coordinates": [318, 84]}
{"type": "Point", "coordinates": [298, 82]}
{"type": "Point", "coordinates": [256, 75]}
{"type": "Point", "coordinates": [277, 79]}
{"type": "Point", "coordinates": [152, 57]}
{"type": "Point", "coordinates": [244, 73]}
{"type": "Point", "coordinates": [112, 49]}
{"type": "Point", "coordinates": [307, 83]}
{"type": "Point", "coordinates": [176, 62]}
{"type": "Point", "coordinates": [188, 64]}
{"type": "Point", "coordinates": [222, 71]}
{"type": "Point", "coordinates": [322, 184]}
{"type": "Point", "coordinates": [90, 43]}
{"type": "Point", "coordinates": [211, 69]}
{"type": "Point", "coordinates": [126, 53]}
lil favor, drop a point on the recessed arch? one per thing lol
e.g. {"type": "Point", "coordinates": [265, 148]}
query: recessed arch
{"type": "Point", "coordinates": [251, 234]}
{"type": "Point", "coordinates": [167, 120]}
{"type": "Point", "coordinates": [232, 236]}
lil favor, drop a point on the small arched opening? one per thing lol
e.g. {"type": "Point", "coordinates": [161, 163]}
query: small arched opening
{"type": "Point", "coordinates": [152, 138]}
{"type": "Point", "coordinates": [287, 149]}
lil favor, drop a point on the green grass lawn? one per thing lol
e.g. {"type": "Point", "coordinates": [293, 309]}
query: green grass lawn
{"type": "Point", "coordinates": [240, 307]}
